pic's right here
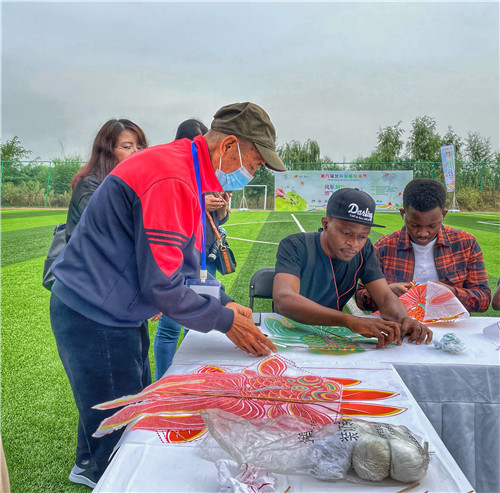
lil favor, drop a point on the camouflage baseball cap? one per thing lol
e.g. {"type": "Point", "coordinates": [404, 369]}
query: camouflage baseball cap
{"type": "Point", "coordinates": [249, 121]}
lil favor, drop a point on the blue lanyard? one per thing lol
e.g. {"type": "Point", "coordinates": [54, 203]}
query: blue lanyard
{"type": "Point", "coordinates": [194, 152]}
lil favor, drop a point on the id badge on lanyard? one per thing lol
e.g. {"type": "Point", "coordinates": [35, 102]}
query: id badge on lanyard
{"type": "Point", "coordinates": [202, 285]}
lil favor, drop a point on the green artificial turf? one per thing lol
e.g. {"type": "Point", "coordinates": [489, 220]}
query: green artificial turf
{"type": "Point", "coordinates": [38, 414]}
{"type": "Point", "coordinates": [15, 220]}
{"type": "Point", "coordinates": [259, 254]}
{"type": "Point", "coordinates": [25, 244]}
{"type": "Point", "coordinates": [33, 213]}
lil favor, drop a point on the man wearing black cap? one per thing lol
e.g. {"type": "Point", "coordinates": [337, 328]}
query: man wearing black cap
{"type": "Point", "coordinates": [317, 273]}
{"type": "Point", "coordinates": [138, 241]}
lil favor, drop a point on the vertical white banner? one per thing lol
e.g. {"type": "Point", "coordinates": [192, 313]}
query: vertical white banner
{"type": "Point", "coordinates": [448, 160]}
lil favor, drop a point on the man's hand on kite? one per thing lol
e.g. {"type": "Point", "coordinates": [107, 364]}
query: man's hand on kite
{"type": "Point", "coordinates": [245, 334]}
{"type": "Point", "coordinates": [400, 288]}
{"type": "Point", "coordinates": [416, 331]}
{"type": "Point", "coordinates": [385, 331]}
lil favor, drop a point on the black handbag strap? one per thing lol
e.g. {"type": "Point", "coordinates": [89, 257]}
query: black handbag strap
{"type": "Point", "coordinates": [305, 282]}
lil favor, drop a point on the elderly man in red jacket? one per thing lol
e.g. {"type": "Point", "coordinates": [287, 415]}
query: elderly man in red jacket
{"type": "Point", "coordinates": [137, 243]}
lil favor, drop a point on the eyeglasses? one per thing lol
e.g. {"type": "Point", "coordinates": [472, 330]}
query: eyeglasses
{"type": "Point", "coordinates": [130, 148]}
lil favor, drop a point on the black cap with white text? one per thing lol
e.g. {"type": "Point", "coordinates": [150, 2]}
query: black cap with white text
{"type": "Point", "coordinates": [352, 204]}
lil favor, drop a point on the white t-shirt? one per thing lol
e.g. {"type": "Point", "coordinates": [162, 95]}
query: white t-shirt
{"type": "Point", "coordinates": [425, 268]}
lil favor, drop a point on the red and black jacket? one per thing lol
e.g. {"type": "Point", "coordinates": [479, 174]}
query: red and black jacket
{"type": "Point", "coordinates": [139, 239]}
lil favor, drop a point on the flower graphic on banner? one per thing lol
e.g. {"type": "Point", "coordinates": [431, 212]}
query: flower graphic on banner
{"type": "Point", "coordinates": [171, 406]}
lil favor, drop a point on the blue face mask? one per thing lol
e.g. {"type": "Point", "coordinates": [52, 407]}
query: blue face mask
{"type": "Point", "coordinates": [237, 179]}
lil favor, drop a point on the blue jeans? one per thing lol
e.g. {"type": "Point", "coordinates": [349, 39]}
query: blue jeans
{"type": "Point", "coordinates": [102, 363]}
{"type": "Point", "coordinates": [167, 334]}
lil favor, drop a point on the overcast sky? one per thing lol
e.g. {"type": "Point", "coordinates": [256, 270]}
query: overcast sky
{"type": "Point", "coordinates": [333, 72]}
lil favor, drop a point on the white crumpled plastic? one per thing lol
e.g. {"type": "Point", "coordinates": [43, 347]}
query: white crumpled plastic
{"type": "Point", "coordinates": [331, 458]}
{"type": "Point", "coordinates": [450, 343]}
{"type": "Point", "coordinates": [247, 478]}
{"type": "Point", "coordinates": [279, 445]}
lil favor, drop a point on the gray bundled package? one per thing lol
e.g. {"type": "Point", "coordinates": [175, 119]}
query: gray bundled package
{"type": "Point", "coordinates": [375, 451]}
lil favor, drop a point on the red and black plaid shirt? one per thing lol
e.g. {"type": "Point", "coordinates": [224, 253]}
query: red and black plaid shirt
{"type": "Point", "coordinates": [458, 259]}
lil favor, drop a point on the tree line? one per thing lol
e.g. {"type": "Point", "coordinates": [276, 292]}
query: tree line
{"type": "Point", "coordinates": [477, 165]}
{"type": "Point", "coordinates": [32, 182]}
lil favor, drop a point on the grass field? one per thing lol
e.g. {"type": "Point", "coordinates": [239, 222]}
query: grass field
{"type": "Point", "coordinates": [38, 415]}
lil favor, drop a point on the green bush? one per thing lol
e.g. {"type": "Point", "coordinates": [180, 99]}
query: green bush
{"type": "Point", "coordinates": [27, 194]}
{"type": "Point", "coordinates": [472, 199]}
{"type": "Point", "coordinates": [32, 194]}
{"type": "Point", "coordinates": [58, 200]}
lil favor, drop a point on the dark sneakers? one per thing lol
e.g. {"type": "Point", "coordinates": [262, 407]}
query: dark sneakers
{"type": "Point", "coordinates": [81, 475]}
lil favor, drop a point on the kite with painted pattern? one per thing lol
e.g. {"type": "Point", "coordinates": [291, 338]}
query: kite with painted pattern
{"type": "Point", "coordinates": [267, 389]}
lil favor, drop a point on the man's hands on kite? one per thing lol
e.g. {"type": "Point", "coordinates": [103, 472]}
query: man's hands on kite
{"type": "Point", "coordinates": [387, 332]}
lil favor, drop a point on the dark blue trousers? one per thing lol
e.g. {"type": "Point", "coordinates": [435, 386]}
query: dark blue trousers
{"type": "Point", "coordinates": [102, 363]}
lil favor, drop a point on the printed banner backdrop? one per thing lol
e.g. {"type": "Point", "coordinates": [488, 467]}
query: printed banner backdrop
{"type": "Point", "coordinates": [448, 160]}
{"type": "Point", "coordinates": [310, 190]}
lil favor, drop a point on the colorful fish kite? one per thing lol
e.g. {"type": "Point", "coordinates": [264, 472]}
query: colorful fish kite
{"type": "Point", "coordinates": [172, 405]}
{"type": "Point", "coordinates": [431, 303]}
{"type": "Point", "coordinates": [318, 338]}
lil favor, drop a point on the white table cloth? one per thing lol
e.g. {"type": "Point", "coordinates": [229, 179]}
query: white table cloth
{"type": "Point", "coordinates": [145, 463]}
{"type": "Point", "coordinates": [459, 393]}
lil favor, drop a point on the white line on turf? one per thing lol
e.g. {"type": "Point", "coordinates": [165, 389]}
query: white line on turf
{"type": "Point", "coordinates": [485, 222]}
{"type": "Point", "coordinates": [258, 222]}
{"type": "Point", "coordinates": [253, 241]}
{"type": "Point", "coordinates": [298, 224]}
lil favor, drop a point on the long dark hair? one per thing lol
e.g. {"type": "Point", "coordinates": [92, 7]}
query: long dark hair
{"type": "Point", "coordinates": [102, 160]}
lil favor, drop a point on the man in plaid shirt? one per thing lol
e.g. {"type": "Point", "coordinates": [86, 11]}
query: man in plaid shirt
{"type": "Point", "coordinates": [427, 250]}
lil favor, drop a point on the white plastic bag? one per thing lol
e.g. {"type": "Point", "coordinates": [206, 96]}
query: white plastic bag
{"type": "Point", "coordinates": [279, 445]}
{"type": "Point", "coordinates": [351, 449]}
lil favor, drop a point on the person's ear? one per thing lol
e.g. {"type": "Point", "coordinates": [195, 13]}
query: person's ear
{"type": "Point", "coordinates": [324, 223]}
{"type": "Point", "coordinates": [402, 212]}
{"type": "Point", "coordinates": [445, 211]}
{"type": "Point", "coordinates": [227, 144]}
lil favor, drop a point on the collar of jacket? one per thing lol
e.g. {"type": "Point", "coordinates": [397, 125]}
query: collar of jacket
{"type": "Point", "coordinates": [404, 242]}
{"type": "Point", "coordinates": [209, 182]}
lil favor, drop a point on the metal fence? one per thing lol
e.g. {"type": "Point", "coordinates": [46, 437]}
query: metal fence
{"type": "Point", "coordinates": [48, 183]}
